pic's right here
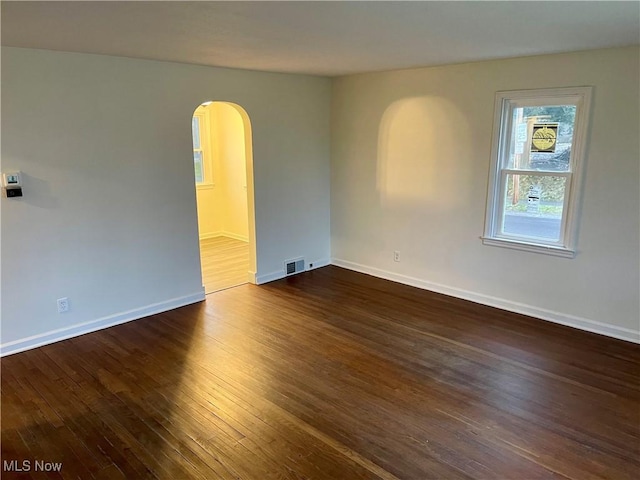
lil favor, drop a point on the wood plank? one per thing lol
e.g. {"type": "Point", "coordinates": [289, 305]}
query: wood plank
{"type": "Point", "coordinates": [325, 375]}
{"type": "Point", "coordinates": [225, 263]}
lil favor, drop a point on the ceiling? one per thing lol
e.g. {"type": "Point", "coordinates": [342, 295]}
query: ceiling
{"type": "Point", "coordinates": [320, 38]}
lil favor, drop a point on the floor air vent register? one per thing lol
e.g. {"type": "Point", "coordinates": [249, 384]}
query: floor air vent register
{"type": "Point", "coordinates": [292, 267]}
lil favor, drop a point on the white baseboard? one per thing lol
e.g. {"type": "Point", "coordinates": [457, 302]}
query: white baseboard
{"type": "Point", "coordinates": [52, 336]}
{"type": "Point", "coordinates": [235, 236]}
{"type": "Point", "coordinates": [319, 264]}
{"type": "Point", "coordinates": [206, 236]}
{"type": "Point", "coordinates": [273, 276]}
{"type": "Point", "coordinates": [530, 310]}
{"type": "Point", "coordinates": [269, 277]}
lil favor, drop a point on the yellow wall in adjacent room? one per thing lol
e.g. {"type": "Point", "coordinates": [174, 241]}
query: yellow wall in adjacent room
{"type": "Point", "coordinates": [222, 198]}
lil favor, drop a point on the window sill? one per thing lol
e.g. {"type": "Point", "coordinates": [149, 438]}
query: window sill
{"type": "Point", "coordinates": [529, 247]}
{"type": "Point", "coordinates": [204, 186]}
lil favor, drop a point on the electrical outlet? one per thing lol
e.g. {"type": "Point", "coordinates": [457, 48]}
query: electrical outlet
{"type": "Point", "coordinates": [396, 256]}
{"type": "Point", "coordinates": [63, 305]}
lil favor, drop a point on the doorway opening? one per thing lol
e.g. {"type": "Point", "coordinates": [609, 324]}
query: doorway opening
{"type": "Point", "coordinates": [223, 170]}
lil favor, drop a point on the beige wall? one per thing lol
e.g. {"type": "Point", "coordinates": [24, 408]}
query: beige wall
{"type": "Point", "coordinates": [409, 171]}
{"type": "Point", "coordinates": [222, 204]}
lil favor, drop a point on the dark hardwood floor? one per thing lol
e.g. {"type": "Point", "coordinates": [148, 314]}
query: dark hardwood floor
{"type": "Point", "coordinates": [326, 375]}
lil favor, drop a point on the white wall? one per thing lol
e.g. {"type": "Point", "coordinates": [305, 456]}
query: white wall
{"type": "Point", "coordinates": [109, 218]}
{"type": "Point", "coordinates": [410, 163]}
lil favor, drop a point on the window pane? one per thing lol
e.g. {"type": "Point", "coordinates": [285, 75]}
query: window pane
{"type": "Point", "coordinates": [533, 198]}
{"type": "Point", "coordinates": [197, 163]}
{"type": "Point", "coordinates": [541, 138]}
{"type": "Point", "coordinates": [533, 206]}
{"type": "Point", "coordinates": [195, 131]}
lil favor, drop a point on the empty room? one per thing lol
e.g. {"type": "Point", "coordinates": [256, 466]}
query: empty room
{"type": "Point", "coordinates": [320, 240]}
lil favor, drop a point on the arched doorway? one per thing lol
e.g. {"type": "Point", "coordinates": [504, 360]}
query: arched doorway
{"type": "Point", "coordinates": [223, 171]}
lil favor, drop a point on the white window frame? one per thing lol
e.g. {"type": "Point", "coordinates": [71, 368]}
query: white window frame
{"type": "Point", "coordinates": [199, 118]}
{"type": "Point", "coordinates": [203, 130]}
{"type": "Point", "coordinates": [505, 103]}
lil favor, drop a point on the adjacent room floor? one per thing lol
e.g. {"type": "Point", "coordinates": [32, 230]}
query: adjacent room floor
{"type": "Point", "coordinates": [225, 263]}
{"type": "Point", "coordinates": [332, 375]}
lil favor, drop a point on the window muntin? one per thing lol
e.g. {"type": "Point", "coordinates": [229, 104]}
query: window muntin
{"type": "Point", "coordinates": [539, 140]}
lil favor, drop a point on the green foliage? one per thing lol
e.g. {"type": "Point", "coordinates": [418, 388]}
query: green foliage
{"type": "Point", "coordinates": [565, 115]}
{"type": "Point", "coordinates": [552, 188]}
{"type": "Point", "coordinates": [198, 172]}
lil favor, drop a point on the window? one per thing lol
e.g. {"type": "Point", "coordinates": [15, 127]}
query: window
{"type": "Point", "coordinates": [536, 158]}
{"type": "Point", "coordinates": [197, 122]}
